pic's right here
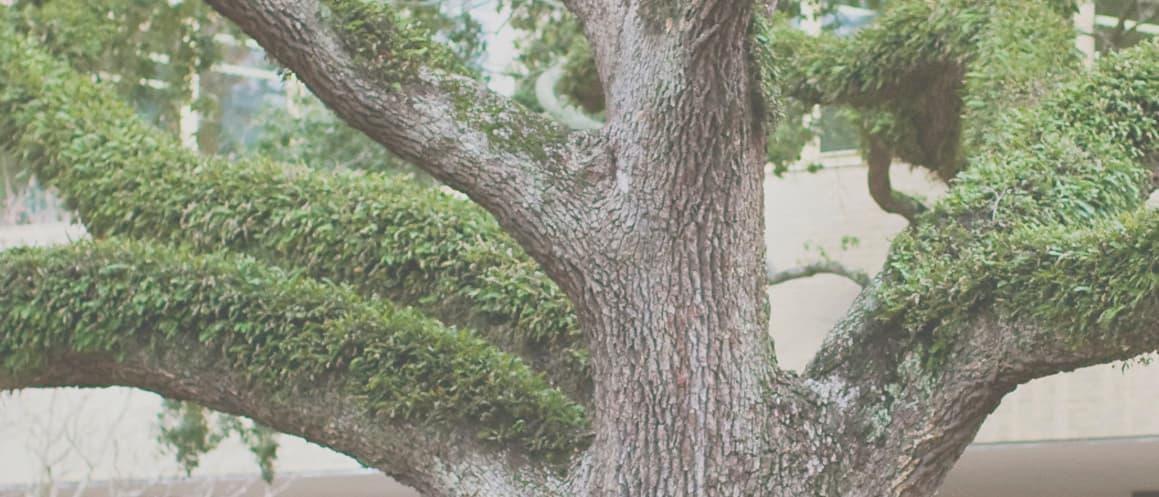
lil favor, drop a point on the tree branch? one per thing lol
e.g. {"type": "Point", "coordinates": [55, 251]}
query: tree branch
{"type": "Point", "coordinates": [383, 236]}
{"type": "Point", "coordinates": [389, 80]}
{"type": "Point", "coordinates": [1103, 294]}
{"type": "Point", "coordinates": [1007, 279]}
{"type": "Point", "coordinates": [881, 189]}
{"type": "Point", "coordinates": [437, 409]}
{"type": "Point", "coordinates": [820, 267]}
{"type": "Point", "coordinates": [928, 76]}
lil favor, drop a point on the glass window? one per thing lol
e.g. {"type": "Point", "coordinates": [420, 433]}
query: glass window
{"type": "Point", "coordinates": [1121, 24]}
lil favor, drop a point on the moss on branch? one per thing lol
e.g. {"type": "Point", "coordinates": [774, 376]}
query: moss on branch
{"type": "Point", "coordinates": [928, 78]}
{"type": "Point", "coordinates": [1045, 223]}
{"type": "Point", "coordinates": [383, 235]}
{"type": "Point", "coordinates": [280, 330]}
{"type": "Point", "coordinates": [394, 45]}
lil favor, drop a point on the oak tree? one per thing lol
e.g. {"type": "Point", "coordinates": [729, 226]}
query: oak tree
{"type": "Point", "coordinates": [594, 321]}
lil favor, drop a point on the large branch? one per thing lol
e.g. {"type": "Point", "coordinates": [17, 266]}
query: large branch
{"type": "Point", "coordinates": [438, 409]}
{"type": "Point", "coordinates": [1080, 297]}
{"type": "Point", "coordinates": [929, 77]}
{"type": "Point", "coordinates": [384, 236]}
{"type": "Point", "coordinates": [1039, 260]}
{"type": "Point", "coordinates": [388, 79]}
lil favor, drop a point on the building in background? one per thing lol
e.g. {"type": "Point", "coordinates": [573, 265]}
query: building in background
{"type": "Point", "coordinates": [1092, 432]}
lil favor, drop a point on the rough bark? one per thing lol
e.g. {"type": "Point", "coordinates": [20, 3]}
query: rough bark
{"type": "Point", "coordinates": [901, 426]}
{"type": "Point", "coordinates": [672, 295]}
{"type": "Point", "coordinates": [653, 226]}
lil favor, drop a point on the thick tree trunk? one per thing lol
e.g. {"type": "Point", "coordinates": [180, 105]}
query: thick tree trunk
{"type": "Point", "coordinates": [672, 293]}
{"type": "Point", "coordinates": [679, 363]}
{"type": "Point", "coordinates": [653, 226]}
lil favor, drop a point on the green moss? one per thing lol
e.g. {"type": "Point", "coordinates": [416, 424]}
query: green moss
{"type": "Point", "coordinates": [384, 235]}
{"type": "Point", "coordinates": [393, 45]}
{"type": "Point", "coordinates": [279, 330]}
{"type": "Point", "coordinates": [1044, 225]}
{"type": "Point", "coordinates": [506, 124]}
{"type": "Point", "coordinates": [926, 76]}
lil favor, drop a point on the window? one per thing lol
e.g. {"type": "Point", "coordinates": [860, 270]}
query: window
{"type": "Point", "coordinates": [1121, 24]}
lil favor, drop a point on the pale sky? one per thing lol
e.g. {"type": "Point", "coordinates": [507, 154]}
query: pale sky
{"type": "Point", "coordinates": [500, 44]}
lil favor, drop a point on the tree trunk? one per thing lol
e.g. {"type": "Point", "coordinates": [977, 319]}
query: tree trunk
{"type": "Point", "coordinates": [672, 294]}
{"type": "Point", "coordinates": [652, 226]}
{"type": "Point", "coordinates": [678, 364]}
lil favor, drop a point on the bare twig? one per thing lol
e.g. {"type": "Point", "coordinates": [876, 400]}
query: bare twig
{"type": "Point", "coordinates": [815, 268]}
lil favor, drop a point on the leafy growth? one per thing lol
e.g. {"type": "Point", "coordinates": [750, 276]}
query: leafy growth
{"type": "Point", "coordinates": [283, 331]}
{"type": "Point", "coordinates": [1046, 222]}
{"type": "Point", "coordinates": [387, 236]}
{"type": "Point", "coordinates": [926, 78]}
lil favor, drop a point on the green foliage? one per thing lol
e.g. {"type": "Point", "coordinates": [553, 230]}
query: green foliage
{"type": "Point", "coordinates": [282, 330]}
{"type": "Point", "coordinates": [390, 41]}
{"type": "Point", "coordinates": [581, 83]}
{"type": "Point", "coordinates": [553, 36]}
{"type": "Point", "coordinates": [190, 430]}
{"type": "Point", "coordinates": [186, 431]}
{"type": "Point", "coordinates": [922, 66]}
{"type": "Point", "coordinates": [387, 236]}
{"type": "Point", "coordinates": [313, 136]}
{"type": "Point", "coordinates": [1045, 224]}
{"type": "Point", "coordinates": [461, 32]}
{"type": "Point", "coordinates": [147, 49]}
{"type": "Point", "coordinates": [789, 133]}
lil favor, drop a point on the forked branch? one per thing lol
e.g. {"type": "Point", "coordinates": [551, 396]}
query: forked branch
{"type": "Point", "coordinates": [391, 81]}
{"type": "Point", "coordinates": [1009, 278]}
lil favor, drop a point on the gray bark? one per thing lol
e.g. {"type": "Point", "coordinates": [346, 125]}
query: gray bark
{"type": "Point", "coordinates": [672, 294]}
{"type": "Point", "coordinates": [653, 225]}
{"type": "Point", "coordinates": [835, 268]}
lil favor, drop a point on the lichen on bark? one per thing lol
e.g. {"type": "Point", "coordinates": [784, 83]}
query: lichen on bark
{"type": "Point", "coordinates": [505, 123]}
